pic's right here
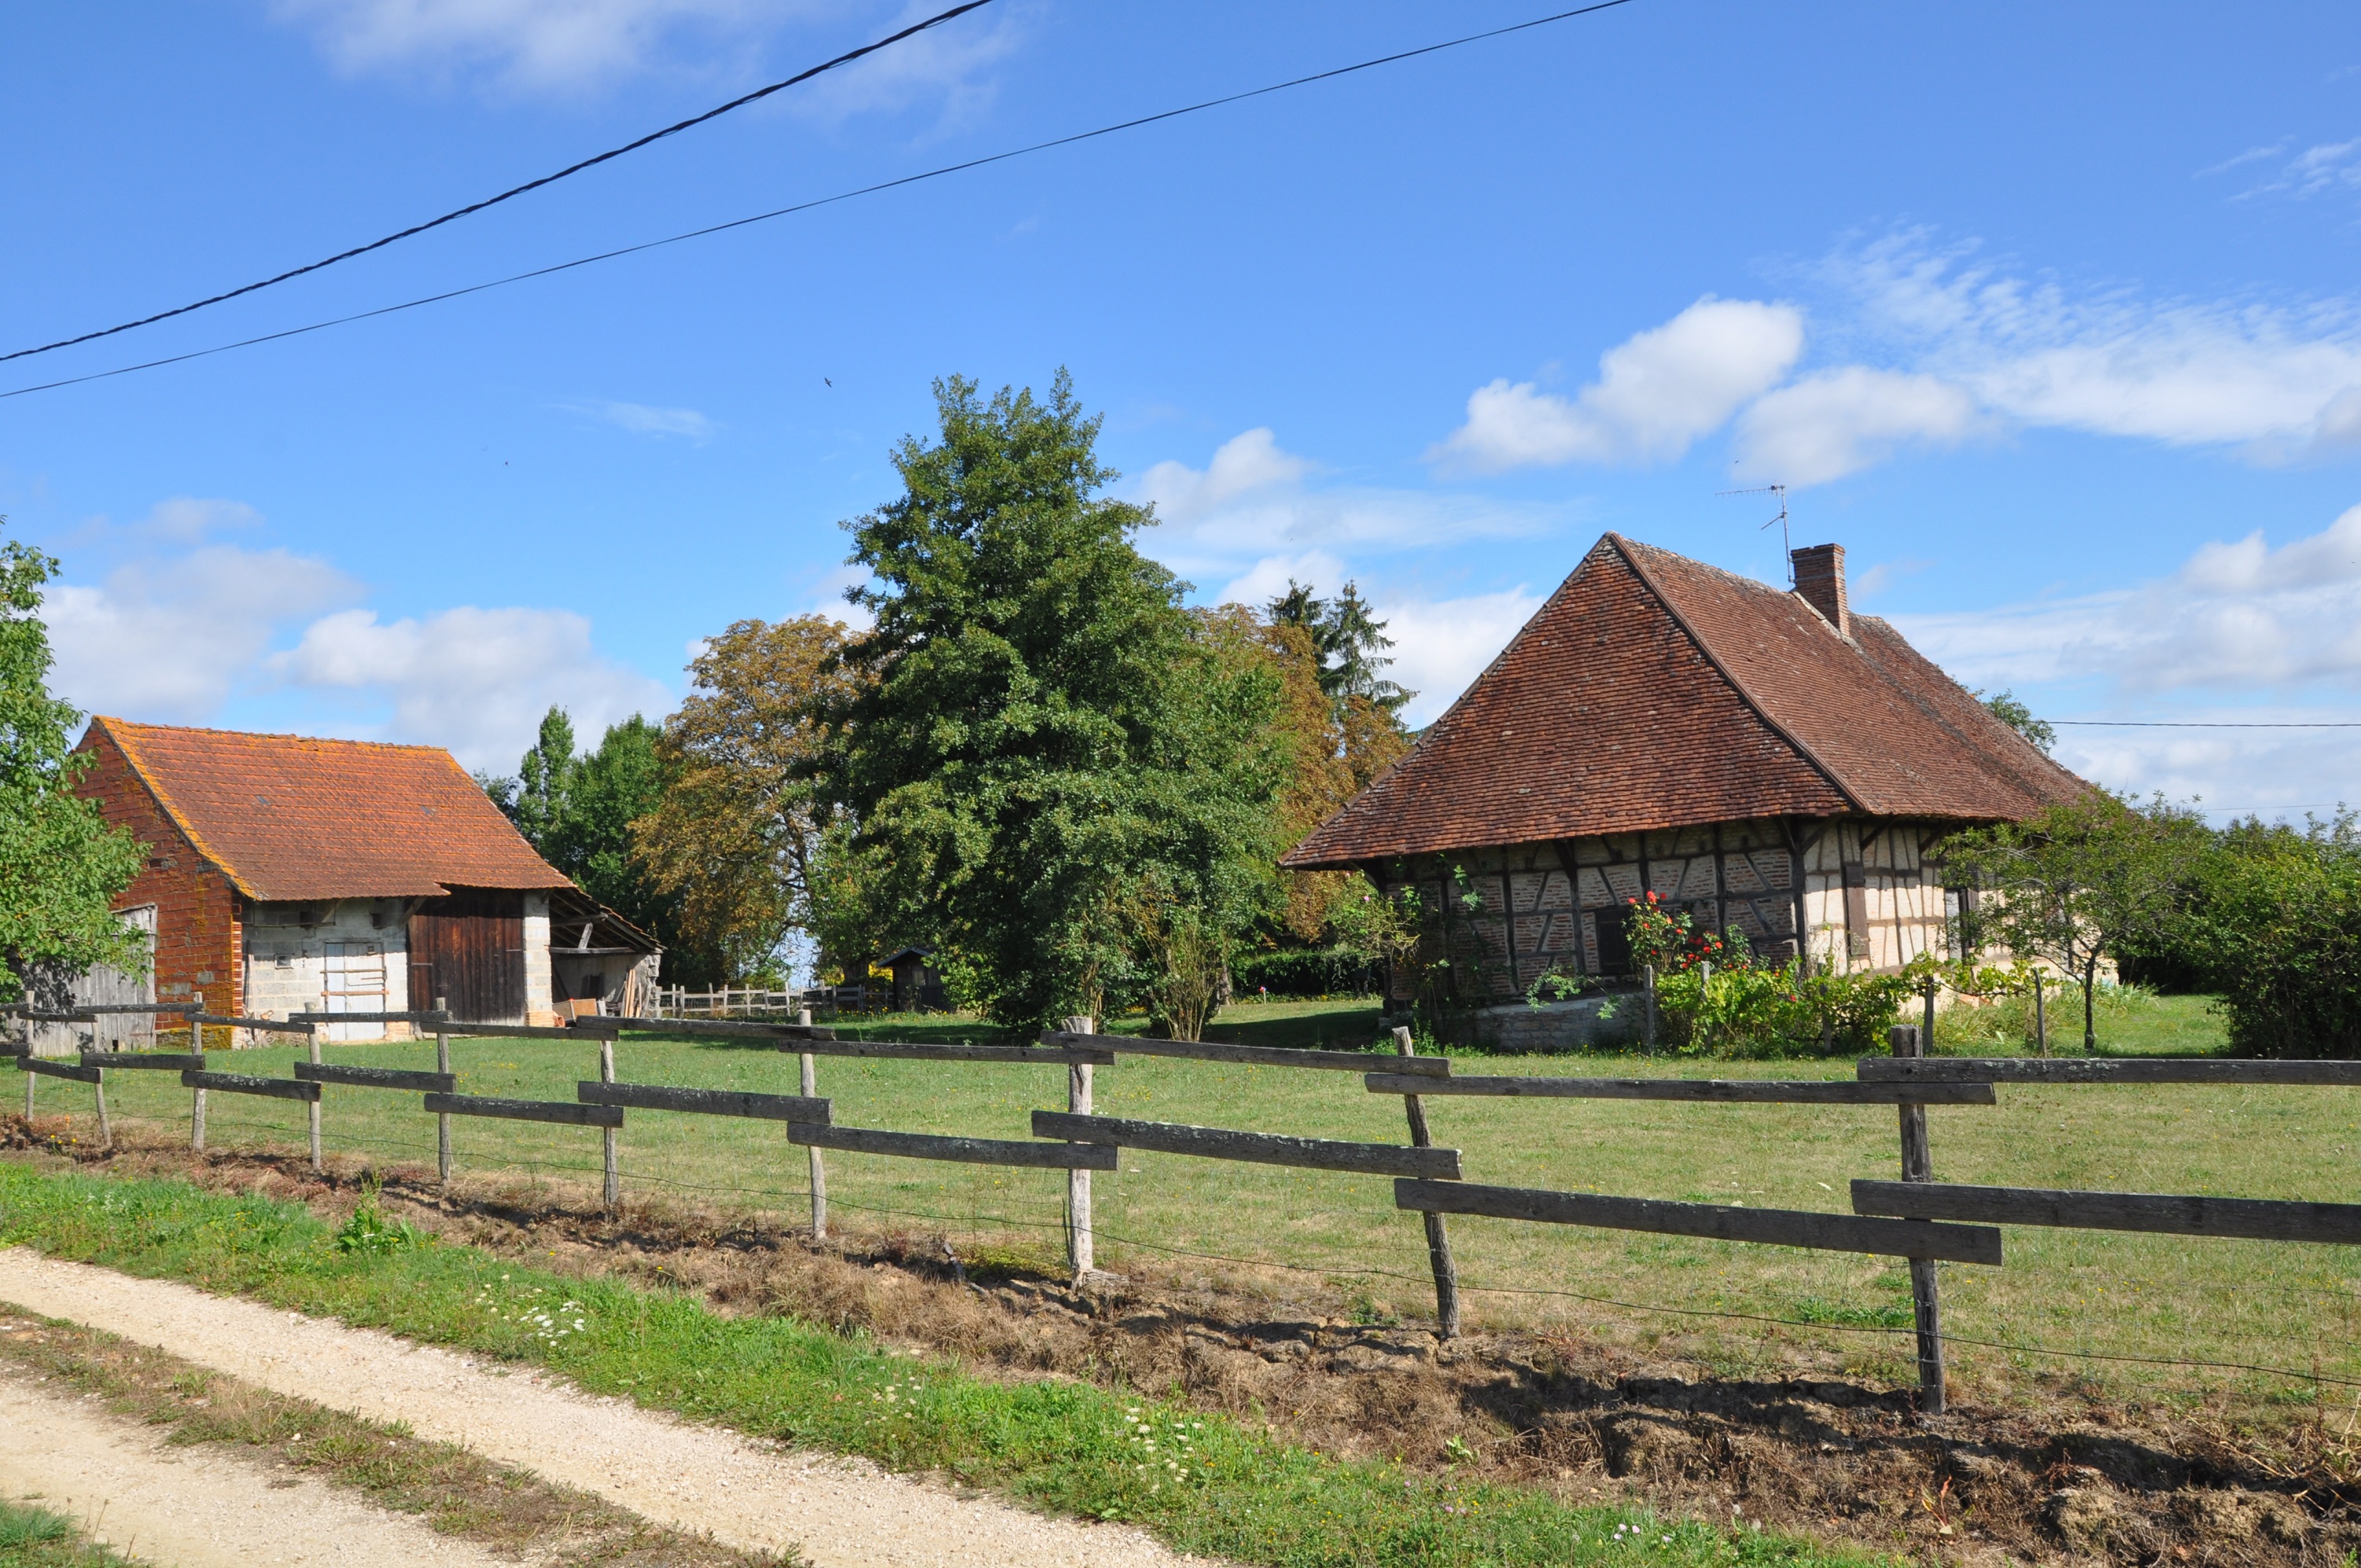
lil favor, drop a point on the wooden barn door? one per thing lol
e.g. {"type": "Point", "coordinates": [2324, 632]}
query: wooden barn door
{"type": "Point", "coordinates": [470, 950]}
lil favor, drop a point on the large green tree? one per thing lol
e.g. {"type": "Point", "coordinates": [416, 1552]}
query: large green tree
{"type": "Point", "coordinates": [61, 867]}
{"type": "Point", "coordinates": [577, 811]}
{"type": "Point", "coordinates": [1052, 765]}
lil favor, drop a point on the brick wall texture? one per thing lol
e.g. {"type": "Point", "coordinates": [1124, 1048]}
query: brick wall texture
{"type": "Point", "coordinates": [198, 936]}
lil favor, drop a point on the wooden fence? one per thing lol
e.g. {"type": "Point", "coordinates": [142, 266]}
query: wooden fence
{"type": "Point", "coordinates": [1916, 1219]}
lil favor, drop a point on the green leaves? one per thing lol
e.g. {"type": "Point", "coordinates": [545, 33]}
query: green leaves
{"type": "Point", "coordinates": [62, 866]}
{"type": "Point", "coordinates": [1058, 773]}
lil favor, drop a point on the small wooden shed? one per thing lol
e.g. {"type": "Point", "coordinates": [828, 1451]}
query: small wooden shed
{"type": "Point", "coordinates": [288, 874]}
{"type": "Point", "coordinates": [1761, 758]}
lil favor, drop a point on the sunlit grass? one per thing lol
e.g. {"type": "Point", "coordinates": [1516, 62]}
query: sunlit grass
{"type": "Point", "coordinates": [2272, 1304]}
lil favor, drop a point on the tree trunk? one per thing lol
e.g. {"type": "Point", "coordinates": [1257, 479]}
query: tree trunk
{"type": "Point", "coordinates": [2090, 1005]}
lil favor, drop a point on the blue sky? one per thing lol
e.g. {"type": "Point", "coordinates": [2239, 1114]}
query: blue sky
{"type": "Point", "coordinates": [2049, 314]}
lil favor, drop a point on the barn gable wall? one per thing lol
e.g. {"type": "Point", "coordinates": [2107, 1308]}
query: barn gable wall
{"type": "Point", "coordinates": [199, 934]}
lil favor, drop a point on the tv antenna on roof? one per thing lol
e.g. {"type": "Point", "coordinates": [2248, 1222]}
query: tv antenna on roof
{"type": "Point", "coordinates": [1786, 547]}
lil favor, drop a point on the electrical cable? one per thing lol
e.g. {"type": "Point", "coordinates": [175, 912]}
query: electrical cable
{"type": "Point", "coordinates": [808, 206]}
{"type": "Point", "coordinates": [2206, 724]}
{"type": "Point", "coordinates": [473, 207]}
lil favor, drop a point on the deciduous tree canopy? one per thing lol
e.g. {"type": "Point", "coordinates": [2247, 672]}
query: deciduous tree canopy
{"type": "Point", "coordinates": [736, 842]}
{"type": "Point", "coordinates": [61, 866]}
{"type": "Point", "coordinates": [1056, 767]}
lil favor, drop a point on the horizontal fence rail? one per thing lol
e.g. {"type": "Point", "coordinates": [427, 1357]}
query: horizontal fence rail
{"type": "Point", "coordinates": [2253, 1219]}
{"type": "Point", "coordinates": [589, 1030]}
{"type": "Point", "coordinates": [965, 1151]}
{"type": "Point", "coordinates": [378, 1078]}
{"type": "Point", "coordinates": [906, 1050]}
{"type": "Point", "coordinates": [2104, 1069]}
{"type": "Point", "coordinates": [715, 1026]}
{"type": "Point", "coordinates": [260, 1026]}
{"type": "Point", "coordinates": [1781, 1227]}
{"type": "Point", "coordinates": [1250, 1056]}
{"type": "Point", "coordinates": [248, 1083]}
{"type": "Point", "coordinates": [42, 1067]}
{"type": "Point", "coordinates": [1724, 1091]}
{"type": "Point", "coordinates": [1258, 1149]}
{"type": "Point", "coordinates": [161, 1061]}
{"type": "Point", "coordinates": [707, 1102]}
{"type": "Point", "coordinates": [428, 1016]}
{"type": "Point", "coordinates": [561, 1111]}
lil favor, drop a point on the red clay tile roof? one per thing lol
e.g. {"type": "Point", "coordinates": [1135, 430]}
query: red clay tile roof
{"type": "Point", "coordinates": [289, 819]}
{"type": "Point", "coordinates": [1653, 691]}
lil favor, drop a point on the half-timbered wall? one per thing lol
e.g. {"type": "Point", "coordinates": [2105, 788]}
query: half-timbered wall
{"type": "Point", "coordinates": [1867, 897]}
{"type": "Point", "coordinates": [1873, 899]}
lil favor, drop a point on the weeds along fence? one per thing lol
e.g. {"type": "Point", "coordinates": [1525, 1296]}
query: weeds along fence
{"type": "Point", "coordinates": [1915, 1219]}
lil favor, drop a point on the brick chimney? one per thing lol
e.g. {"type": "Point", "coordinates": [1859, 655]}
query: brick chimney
{"type": "Point", "coordinates": [1820, 583]}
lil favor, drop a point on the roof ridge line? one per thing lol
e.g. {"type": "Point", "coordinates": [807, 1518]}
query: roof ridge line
{"type": "Point", "coordinates": [272, 735]}
{"type": "Point", "coordinates": [1753, 704]}
{"type": "Point", "coordinates": [163, 803]}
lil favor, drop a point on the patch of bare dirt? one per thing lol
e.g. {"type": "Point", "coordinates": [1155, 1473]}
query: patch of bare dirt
{"type": "Point", "coordinates": [2063, 1477]}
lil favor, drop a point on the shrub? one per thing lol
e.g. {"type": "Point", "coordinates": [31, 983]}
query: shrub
{"type": "Point", "coordinates": [1310, 971]}
{"type": "Point", "coordinates": [2278, 926]}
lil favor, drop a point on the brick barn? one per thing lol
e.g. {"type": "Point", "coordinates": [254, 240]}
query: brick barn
{"type": "Point", "coordinates": [287, 875]}
{"type": "Point", "coordinates": [1761, 758]}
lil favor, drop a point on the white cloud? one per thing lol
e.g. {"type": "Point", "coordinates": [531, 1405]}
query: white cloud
{"type": "Point", "coordinates": [563, 45]}
{"type": "Point", "coordinates": [2244, 632]}
{"type": "Point", "coordinates": [945, 63]}
{"type": "Point", "coordinates": [2276, 381]}
{"type": "Point", "coordinates": [640, 419]}
{"type": "Point", "coordinates": [1240, 465]}
{"type": "Point", "coordinates": [1269, 578]}
{"type": "Point", "coordinates": [175, 636]}
{"type": "Point", "coordinates": [186, 519]}
{"type": "Point", "coordinates": [2236, 618]}
{"type": "Point", "coordinates": [2330, 166]}
{"type": "Point", "coordinates": [1840, 422]}
{"type": "Point", "coordinates": [475, 680]}
{"type": "Point", "coordinates": [1656, 394]}
{"type": "Point", "coordinates": [171, 638]}
{"type": "Point", "coordinates": [536, 44]}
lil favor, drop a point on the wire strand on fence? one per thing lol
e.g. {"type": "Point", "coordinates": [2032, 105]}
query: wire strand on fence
{"type": "Point", "coordinates": [536, 1166]}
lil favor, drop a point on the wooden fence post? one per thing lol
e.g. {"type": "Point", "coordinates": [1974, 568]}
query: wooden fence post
{"type": "Point", "coordinates": [1438, 1240]}
{"type": "Point", "coordinates": [1926, 1306]}
{"type": "Point", "coordinates": [319, 1164]}
{"type": "Point", "coordinates": [1079, 1238]}
{"type": "Point", "coordinates": [197, 1045]}
{"type": "Point", "coordinates": [1926, 1034]}
{"type": "Point", "coordinates": [818, 1167]}
{"type": "Point", "coordinates": [1648, 1021]}
{"type": "Point", "coordinates": [2040, 1023]}
{"type": "Point", "coordinates": [443, 1064]}
{"type": "Point", "coordinates": [606, 1135]}
{"type": "Point", "coordinates": [98, 1086]}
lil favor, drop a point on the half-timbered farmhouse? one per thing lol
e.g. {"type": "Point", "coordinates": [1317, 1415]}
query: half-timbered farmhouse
{"type": "Point", "coordinates": [287, 875]}
{"type": "Point", "coordinates": [1760, 758]}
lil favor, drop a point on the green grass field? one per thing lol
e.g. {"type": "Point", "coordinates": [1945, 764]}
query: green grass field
{"type": "Point", "coordinates": [2278, 1305]}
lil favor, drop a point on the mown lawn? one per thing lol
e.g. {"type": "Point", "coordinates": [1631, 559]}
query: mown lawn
{"type": "Point", "coordinates": [1204, 1483]}
{"type": "Point", "coordinates": [2278, 1305]}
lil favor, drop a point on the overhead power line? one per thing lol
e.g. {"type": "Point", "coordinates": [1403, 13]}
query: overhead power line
{"type": "Point", "coordinates": [2209, 723]}
{"type": "Point", "coordinates": [738, 103]}
{"type": "Point", "coordinates": [820, 200]}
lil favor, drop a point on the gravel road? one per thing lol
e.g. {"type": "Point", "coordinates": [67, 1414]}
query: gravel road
{"type": "Point", "coordinates": [195, 1507]}
{"type": "Point", "coordinates": [838, 1513]}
